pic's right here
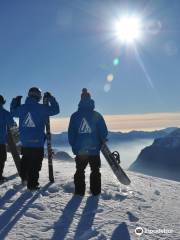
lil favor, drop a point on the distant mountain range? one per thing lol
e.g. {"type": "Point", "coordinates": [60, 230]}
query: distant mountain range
{"type": "Point", "coordinates": [114, 137]}
{"type": "Point", "coordinates": [162, 158]}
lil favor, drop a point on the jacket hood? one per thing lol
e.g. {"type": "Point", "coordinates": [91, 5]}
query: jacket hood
{"type": "Point", "coordinates": [30, 100]}
{"type": "Point", "coordinates": [86, 105]}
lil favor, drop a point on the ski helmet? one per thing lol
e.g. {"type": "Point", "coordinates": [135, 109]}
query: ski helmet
{"type": "Point", "coordinates": [85, 94]}
{"type": "Point", "coordinates": [2, 100]}
{"type": "Point", "coordinates": [35, 92]}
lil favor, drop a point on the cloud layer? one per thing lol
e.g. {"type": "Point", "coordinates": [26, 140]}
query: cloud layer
{"type": "Point", "coordinates": [149, 121]}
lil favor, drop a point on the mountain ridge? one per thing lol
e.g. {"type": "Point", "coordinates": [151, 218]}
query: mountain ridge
{"type": "Point", "coordinates": [161, 159]}
{"type": "Point", "coordinates": [62, 138]}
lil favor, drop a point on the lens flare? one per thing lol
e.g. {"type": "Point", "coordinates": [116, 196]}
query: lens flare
{"type": "Point", "coordinates": [141, 64]}
{"type": "Point", "coordinates": [110, 77]}
{"type": "Point", "coordinates": [116, 61]}
{"type": "Point", "coordinates": [107, 87]}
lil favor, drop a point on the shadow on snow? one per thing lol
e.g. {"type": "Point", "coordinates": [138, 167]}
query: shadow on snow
{"type": "Point", "coordinates": [63, 224]}
{"type": "Point", "coordinates": [121, 232]}
{"type": "Point", "coordinates": [84, 228]}
{"type": "Point", "coordinates": [12, 215]}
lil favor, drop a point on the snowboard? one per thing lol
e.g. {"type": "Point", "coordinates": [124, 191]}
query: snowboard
{"type": "Point", "coordinates": [49, 145]}
{"type": "Point", "coordinates": [113, 159]}
{"type": "Point", "coordinates": [13, 149]}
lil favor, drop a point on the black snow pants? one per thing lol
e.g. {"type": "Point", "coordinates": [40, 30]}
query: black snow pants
{"type": "Point", "coordinates": [95, 176]}
{"type": "Point", "coordinates": [31, 163]}
{"type": "Point", "coordinates": [3, 157]}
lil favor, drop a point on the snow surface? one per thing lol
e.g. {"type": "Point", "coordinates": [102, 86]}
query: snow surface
{"type": "Point", "coordinates": [55, 213]}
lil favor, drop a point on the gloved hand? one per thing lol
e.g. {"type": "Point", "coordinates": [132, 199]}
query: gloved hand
{"type": "Point", "coordinates": [16, 101]}
{"type": "Point", "coordinates": [47, 94]}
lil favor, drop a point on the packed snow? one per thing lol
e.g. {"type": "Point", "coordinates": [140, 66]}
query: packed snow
{"type": "Point", "coordinates": [55, 213]}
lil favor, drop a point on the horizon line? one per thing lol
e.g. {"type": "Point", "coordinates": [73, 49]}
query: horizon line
{"type": "Point", "coordinates": [128, 122]}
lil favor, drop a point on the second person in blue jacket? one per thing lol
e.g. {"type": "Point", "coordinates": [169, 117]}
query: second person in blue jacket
{"type": "Point", "coordinates": [6, 121]}
{"type": "Point", "coordinates": [32, 118]}
{"type": "Point", "coordinates": [87, 131]}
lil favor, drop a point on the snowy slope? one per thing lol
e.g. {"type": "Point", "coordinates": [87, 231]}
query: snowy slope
{"type": "Point", "coordinates": [54, 213]}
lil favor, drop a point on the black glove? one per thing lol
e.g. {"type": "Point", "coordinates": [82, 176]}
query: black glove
{"type": "Point", "coordinates": [47, 94]}
{"type": "Point", "coordinates": [16, 101]}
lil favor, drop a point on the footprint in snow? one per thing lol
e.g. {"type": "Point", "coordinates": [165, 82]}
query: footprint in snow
{"type": "Point", "coordinates": [100, 210]}
{"type": "Point", "coordinates": [153, 199]}
{"type": "Point", "coordinates": [107, 195]}
{"type": "Point", "coordinates": [125, 190]}
{"type": "Point", "coordinates": [40, 207]}
{"type": "Point", "coordinates": [32, 215]}
{"type": "Point", "coordinates": [45, 194]}
{"type": "Point", "coordinates": [156, 192]}
{"type": "Point", "coordinates": [121, 197]}
{"type": "Point", "coordinates": [144, 206]}
{"type": "Point", "coordinates": [132, 217]}
{"type": "Point", "coordinates": [68, 187]}
{"type": "Point", "coordinates": [140, 199]}
{"type": "Point", "coordinates": [46, 228]}
{"type": "Point", "coordinates": [90, 233]}
{"type": "Point", "coordinates": [53, 189]}
{"type": "Point", "coordinates": [139, 193]}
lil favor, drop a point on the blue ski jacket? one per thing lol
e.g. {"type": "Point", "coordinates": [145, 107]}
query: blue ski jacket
{"type": "Point", "coordinates": [32, 119]}
{"type": "Point", "coordinates": [87, 129]}
{"type": "Point", "coordinates": [6, 120]}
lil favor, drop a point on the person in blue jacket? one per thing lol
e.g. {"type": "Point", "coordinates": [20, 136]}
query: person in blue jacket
{"type": "Point", "coordinates": [86, 133]}
{"type": "Point", "coordinates": [6, 121]}
{"type": "Point", "coordinates": [32, 118]}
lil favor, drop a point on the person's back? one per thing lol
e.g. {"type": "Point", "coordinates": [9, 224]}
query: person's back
{"type": "Point", "coordinates": [6, 121]}
{"type": "Point", "coordinates": [87, 131]}
{"type": "Point", "coordinates": [32, 118]}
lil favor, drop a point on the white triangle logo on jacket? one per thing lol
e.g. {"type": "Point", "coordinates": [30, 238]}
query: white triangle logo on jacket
{"type": "Point", "coordinates": [84, 127]}
{"type": "Point", "coordinates": [28, 121]}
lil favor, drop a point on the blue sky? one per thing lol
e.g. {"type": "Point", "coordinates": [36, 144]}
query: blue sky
{"type": "Point", "coordinates": [63, 46]}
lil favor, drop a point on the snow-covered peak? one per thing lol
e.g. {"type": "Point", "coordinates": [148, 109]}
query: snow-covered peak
{"type": "Point", "coordinates": [175, 133]}
{"type": "Point", "coordinates": [161, 159]}
{"type": "Point", "coordinates": [172, 140]}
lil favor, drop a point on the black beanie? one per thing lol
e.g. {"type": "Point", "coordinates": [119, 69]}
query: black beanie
{"type": "Point", "coordinates": [85, 94]}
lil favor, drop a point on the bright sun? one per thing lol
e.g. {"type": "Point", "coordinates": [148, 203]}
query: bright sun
{"type": "Point", "coordinates": [128, 29]}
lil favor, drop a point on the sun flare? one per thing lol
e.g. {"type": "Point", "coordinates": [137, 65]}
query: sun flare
{"type": "Point", "coordinates": [128, 29]}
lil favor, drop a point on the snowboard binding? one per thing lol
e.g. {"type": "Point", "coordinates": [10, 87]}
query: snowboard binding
{"type": "Point", "coordinates": [116, 156]}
